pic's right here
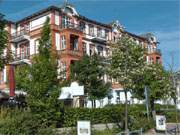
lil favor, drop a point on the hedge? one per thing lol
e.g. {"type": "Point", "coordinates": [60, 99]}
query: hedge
{"type": "Point", "coordinates": [110, 114]}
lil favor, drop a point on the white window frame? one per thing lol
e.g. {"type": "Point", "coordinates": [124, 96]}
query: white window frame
{"type": "Point", "coordinates": [63, 42]}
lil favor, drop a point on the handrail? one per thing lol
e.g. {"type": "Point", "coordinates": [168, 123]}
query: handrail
{"type": "Point", "coordinates": [20, 56]}
{"type": "Point", "coordinates": [153, 50]}
{"type": "Point", "coordinates": [20, 33]}
{"type": "Point", "coordinates": [70, 52]}
{"type": "Point", "coordinates": [71, 26]}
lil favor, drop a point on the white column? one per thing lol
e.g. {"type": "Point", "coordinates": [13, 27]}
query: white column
{"type": "Point", "coordinates": [88, 48]}
{"type": "Point", "coordinates": [5, 75]}
{"type": "Point", "coordinates": [32, 46]}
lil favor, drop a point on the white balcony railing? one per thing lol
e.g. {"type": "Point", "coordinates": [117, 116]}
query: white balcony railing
{"type": "Point", "coordinates": [20, 35]}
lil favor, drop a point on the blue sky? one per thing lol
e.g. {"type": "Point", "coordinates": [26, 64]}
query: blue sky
{"type": "Point", "coordinates": [161, 17]}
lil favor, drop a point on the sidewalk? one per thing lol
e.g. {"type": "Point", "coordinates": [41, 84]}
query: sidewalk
{"type": "Point", "coordinates": [169, 127]}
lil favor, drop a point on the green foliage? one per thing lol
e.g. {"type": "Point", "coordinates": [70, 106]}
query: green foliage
{"type": "Point", "coordinates": [88, 72]}
{"type": "Point", "coordinates": [113, 131]}
{"type": "Point", "coordinates": [127, 61]}
{"type": "Point", "coordinates": [110, 114]}
{"type": "Point", "coordinates": [157, 79]}
{"type": "Point", "coordinates": [95, 115]}
{"type": "Point", "coordinates": [43, 89]}
{"type": "Point", "coordinates": [22, 77]}
{"type": "Point", "coordinates": [19, 122]}
{"type": "Point", "coordinates": [3, 41]}
{"type": "Point", "coordinates": [40, 81]}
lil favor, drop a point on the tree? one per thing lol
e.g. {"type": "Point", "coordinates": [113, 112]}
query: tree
{"type": "Point", "coordinates": [40, 80]}
{"type": "Point", "coordinates": [158, 81]}
{"type": "Point", "coordinates": [127, 61]}
{"type": "Point", "coordinates": [89, 72]}
{"type": "Point", "coordinates": [3, 41]}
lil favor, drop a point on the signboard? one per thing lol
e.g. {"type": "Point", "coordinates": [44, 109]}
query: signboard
{"type": "Point", "coordinates": [161, 122]}
{"type": "Point", "coordinates": [83, 128]}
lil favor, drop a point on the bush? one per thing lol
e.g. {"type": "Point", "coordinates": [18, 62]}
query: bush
{"type": "Point", "coordinates": [95, 115]}
{"type": "Point", "coordinates": [109, 114]}
{"type": "Point", "coordinates": [20, 122]}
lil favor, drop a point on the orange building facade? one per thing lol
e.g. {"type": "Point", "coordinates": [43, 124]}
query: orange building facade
{"type": "Point", "coordinates": [72, 36]}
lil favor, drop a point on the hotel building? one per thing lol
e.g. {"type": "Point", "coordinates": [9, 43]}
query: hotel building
{"type": "Point", "coordinates": [72, 36]}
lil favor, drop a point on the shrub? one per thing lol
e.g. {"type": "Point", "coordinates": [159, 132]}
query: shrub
{"type": "Point", "coordinates": [96, 115]}
{"type": "Point", "coordinates": [109, 114]}
{"type": "Point", "coordinates": [20, 122]}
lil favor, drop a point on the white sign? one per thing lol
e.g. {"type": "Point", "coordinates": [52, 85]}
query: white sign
{"type": "Point", "coordinates": [73, 90]}
{"type": "Point", "coordinates": [161, 122]}
{"type": "Point", "coordinates": [83, 128]}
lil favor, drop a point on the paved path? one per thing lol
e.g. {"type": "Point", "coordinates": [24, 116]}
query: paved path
{"type": "Point", "coordinates": [170, 126]}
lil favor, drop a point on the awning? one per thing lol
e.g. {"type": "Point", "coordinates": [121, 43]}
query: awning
{"type": "Point", "coordinates": [65, 95]}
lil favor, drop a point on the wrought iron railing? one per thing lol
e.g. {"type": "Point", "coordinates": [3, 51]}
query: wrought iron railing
{"type": "Point", "coordinates": [72, 26]}
{"type": "Point", "coordinates": [153, 51]}
{"type": "Point", "coordinates": [18, 57]}
{"type": "Point", "coordinates": [70, 52]}
{"type": "Point", "coordinates": [19, 34]}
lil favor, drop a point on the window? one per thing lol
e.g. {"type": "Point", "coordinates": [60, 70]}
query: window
{"type": "Point", "coordinates": [22, 52]}
{"type": "Point", "coordinates": [57, 37]}
{"type": "Point", "coordinates": [91, 30]}
{"type": "Point", "coordinates": [158, 60]}
{"type": "Point", "coordinates": [91, 51]}
{"type": "Point", "coordinates": [2, 77]}
{"type": "Point", "coordinates": [27, 51]}
{"type": "Point", "coordinates": [65, 21]}
{"type": "Point", "coordinates": [83, 27]}
{"type": "Point", "coordinates": [36, 47]}
{"type": "Point", "coordinates": [107, 34]}
{"type": "Point", "coordinates": [103, 33]}
{"type": "Point", "coordinates": [151, 60]}
{"type": "Point", "coordinates": [63, 42]}
{"type": "Point", "coordinates": [84, 48]}
{"type": "Point", "coordinates": [76, 44]}
{"type": "Point", "coordinates": [98, 32]}
{"type": "Point", "coordinates": [100, 50]}
{"type": "Point", "coordinates": [56, 18]}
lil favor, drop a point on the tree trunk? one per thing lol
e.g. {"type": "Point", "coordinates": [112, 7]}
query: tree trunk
{"type": "Point", "coordinates": [153, 108]}
{"type": "Point", "coordinates": [126, 112]}
{"type": "Point", "coordinates": [94, 103]}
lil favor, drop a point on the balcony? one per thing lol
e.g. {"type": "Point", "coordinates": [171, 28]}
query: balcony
{"type": "Point", "coordinates": [149, 51]}
{"type": "Point", "coordinates": [20, 35]}
{"type": "Point", "coordinates": [74, 26]}
{"type": "Point", "coordinates": [71, 53]}
{"type": "Point", "coordinates": [99, 38]}
{"type": "Point", "coordinates": [18, 57]}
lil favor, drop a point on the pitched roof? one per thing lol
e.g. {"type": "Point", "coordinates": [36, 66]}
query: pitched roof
{"type": "Point", "coordinates": [50, 8]}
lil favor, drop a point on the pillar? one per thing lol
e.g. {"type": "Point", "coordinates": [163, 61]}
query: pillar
{"type": "Point", "coordinates": [11, 81]}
